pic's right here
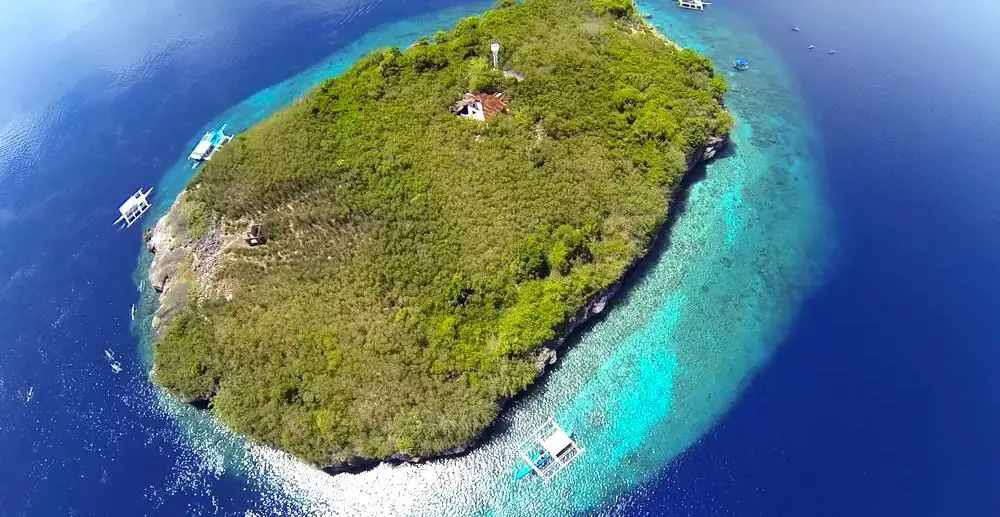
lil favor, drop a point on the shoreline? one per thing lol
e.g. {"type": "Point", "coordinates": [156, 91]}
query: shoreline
{"type": "Point", "coordinates": [586, 316]}
{"type": "Point", "coordinates": [547, 355]}
{"type": "Point", "coordinates": [703, 385]}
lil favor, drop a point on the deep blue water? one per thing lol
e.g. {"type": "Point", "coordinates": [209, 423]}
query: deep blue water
{"type": "Point", "coordinates": [881, 399]}
{"type": "Point", "coordinates": [884, 399]}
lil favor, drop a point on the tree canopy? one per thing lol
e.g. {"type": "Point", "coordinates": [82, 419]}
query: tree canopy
{"type": "Point", "coordinates": [416, 261]}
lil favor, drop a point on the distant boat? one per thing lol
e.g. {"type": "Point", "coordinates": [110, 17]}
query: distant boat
{"type": "Point", "coordinates": [31, 392]}
{"type": "Point", "coordinates": [132, 312]}
{"type": "Point", "coordinates": [109, 354]}
{"type": "Point", "coordinates": [796, 29]}
{"type": "Point", "coordinates": [812, 47]}
{"type": "Point", "coordinates": [831, 51]}
{"type": "Point", "coordinates": [697, 5]}
{"type": "Point", "coordinates": [116, 367]}
{"type": "Point", "coordinates": [741, 64]}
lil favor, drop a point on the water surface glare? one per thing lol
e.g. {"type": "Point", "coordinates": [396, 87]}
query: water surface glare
{"type": "Point", "coordinates": [656, 372]}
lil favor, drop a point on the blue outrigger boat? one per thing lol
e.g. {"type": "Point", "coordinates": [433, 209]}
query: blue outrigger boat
{"type": "Point", "coordinates": [211, 142]}
{"type": "Point", "coordinates": [547, 451]}
{"type": "Point", "coordinates": [741, 64]}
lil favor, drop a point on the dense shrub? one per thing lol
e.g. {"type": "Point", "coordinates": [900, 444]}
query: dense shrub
{"type": "Point", "coordinates": [619, 8]}
{"type": "Point", "coordinates": [416, 261]}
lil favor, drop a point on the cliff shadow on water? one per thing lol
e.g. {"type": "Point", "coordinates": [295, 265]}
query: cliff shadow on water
{"type": "Point", "coordinates": [589, 315]}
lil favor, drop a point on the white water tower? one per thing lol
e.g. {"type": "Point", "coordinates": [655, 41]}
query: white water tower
{"type": "Point", "coordinates": [495, 47]}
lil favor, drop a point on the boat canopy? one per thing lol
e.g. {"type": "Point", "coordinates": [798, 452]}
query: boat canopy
{"type": "Point", "coordinates": [203, 147]}
{"type": "Point", "coordinates": [210, 142]}
{"type": "Point", "coordinates": [547, 451]}
{"type": "Point", "coordinates": [557, 442]}
{"type": "Point", "coordinates": [129, 205]}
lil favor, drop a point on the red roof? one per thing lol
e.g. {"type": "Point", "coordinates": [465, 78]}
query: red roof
{"type": "Point", "coordinates": [492, 103]}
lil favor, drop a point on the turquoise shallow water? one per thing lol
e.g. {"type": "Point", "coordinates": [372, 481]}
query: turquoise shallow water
{"type": "Point", "coordinates": [653, 375]}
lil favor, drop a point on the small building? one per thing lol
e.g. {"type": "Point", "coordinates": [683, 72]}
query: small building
{"type": "Point", "coordinates": [212, 141]}
{"type": "Point", "coordinates": [133, 208]}
{"type": "Point", "coordinates": [697, 5]}
{"type": "Point", "coordinates": [480, 106]}
{"type": "Point", "coordinates": [255, 235]}
{"type": "Point", "coordinates": [549, 450]}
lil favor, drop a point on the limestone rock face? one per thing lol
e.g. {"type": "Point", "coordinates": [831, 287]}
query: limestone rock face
{"type": "Point", "coordinates": [716, 144]}
{"type": "Point", "coordinates": [168, 257]}
{"type": "Point", "coordinates": [182, 266]}
{"type": "Point", "coordinates": [546, 357]}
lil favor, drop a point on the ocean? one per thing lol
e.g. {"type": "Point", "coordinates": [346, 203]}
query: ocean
{"type": "Point", "coordinates": [813, 337]}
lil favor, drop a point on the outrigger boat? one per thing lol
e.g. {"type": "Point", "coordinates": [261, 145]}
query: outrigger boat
{"type": "Point", "coordinates": [741, 64]}
{"type": "Point", "coordinates": [133, 208]}
{"type": "Point", "coordinates": [548, 451]}
{"type": "Point", "coordinates": [115, 365]}
{"type": "Point", "coordinates": [132, 312]}
{"type": "Point", "coordinates": [211, 142]}
{"type": "Point", "coordinates": [696, 5]}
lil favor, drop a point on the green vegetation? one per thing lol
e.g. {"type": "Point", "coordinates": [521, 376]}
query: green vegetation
{"type": "Point", "coordinates": [417, 261]}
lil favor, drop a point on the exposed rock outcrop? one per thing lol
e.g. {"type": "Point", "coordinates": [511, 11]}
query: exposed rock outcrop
{"type": "Point", "coordinates": [181, 264]}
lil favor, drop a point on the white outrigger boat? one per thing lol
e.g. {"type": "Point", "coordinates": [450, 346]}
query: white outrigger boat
{"type": "Point", "coordinates": [133, 208]}
{"type": "Point", "coordinates": [115, 365]}
{"type": "Point", "coordinates": [132, 312]}
{"type": "Point", "coordinates": [211, 142]}
{"type": "Point", "coordinates": [547, 451]}
{"type": "Point", "coordinates": [696, 5]}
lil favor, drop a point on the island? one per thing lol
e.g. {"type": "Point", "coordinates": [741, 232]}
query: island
{"type": "Point", "coordinates": [374, 272]}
